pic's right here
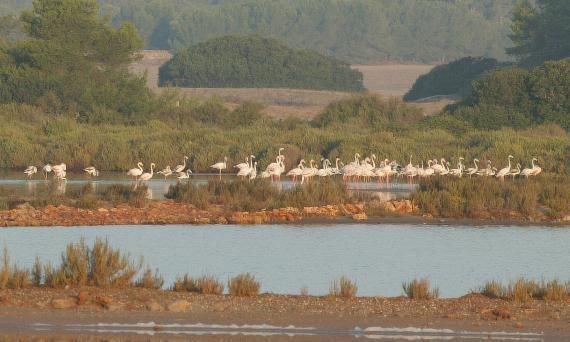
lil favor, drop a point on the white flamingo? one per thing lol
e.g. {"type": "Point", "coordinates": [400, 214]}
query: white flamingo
{"type": "Point", "coordinates": [242, 165]}
{"type": "Point", "coordinates": [137, 171]}
{"type": "Point", "coordinates": [30, 171]}
{"type": "Point", "coordinates": [91, 171]}
{"type": "Point", "coordinates": [534, 171]}
{"type": "Point", "coordinates": [505, 171]}
{"type": "Point", "coordinates": [180, 168]}
{"type": "Point", "coordinates": [253, 172]}
{"type": "Point", "coordinates": [308, 172]}
{"type": "Point", "coordinates": [220, 166]}
{"type": "Point", "coordinates": [473, 170]}
{"type": "Point", "coordinates": [167, 171]}
{"type": "Point", "coordinates": [298, 171]}
{"type": "Point", "coordinates": [46, 169]}
{"type": "Point", "coordinates": [147, 175]}
{"type": "Point", "coordinates": [184, 175]}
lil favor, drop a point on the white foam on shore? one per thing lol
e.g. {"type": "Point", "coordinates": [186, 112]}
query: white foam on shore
{"type": "Point", "coordinates": [192, 326]}
{"type": "Point", "coordinates": [378, 333]}
{"type": "Point", "coordinates": [446, 331]}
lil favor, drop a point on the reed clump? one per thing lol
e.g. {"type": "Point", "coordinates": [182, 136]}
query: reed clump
{"type": "Point", "coordinates": [343, 287]}
{"type": "Point", "coordinates": [420, 289]}
{"type": "Point", "coordinates": [244, 285]}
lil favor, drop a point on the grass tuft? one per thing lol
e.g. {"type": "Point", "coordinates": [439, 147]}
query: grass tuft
{"type": "Point", "coordinates": [343, 287]}
{"type": "Point", "coordinates": [244, 285]}
{"type": "Point", "coordinates": [420, 289]}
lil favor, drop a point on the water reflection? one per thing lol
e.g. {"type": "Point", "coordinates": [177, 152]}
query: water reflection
{"type": "Point", "coordinates": [157, 187]}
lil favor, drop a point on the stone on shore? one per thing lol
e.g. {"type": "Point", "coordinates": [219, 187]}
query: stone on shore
{"type": "Point", "coordinates": [178, 306]}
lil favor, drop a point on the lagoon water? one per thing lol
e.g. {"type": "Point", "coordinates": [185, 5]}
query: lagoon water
{"type": "Point", "coordinates": [288, 257]}
{"type": "Point", "coordinates": [16, 183]}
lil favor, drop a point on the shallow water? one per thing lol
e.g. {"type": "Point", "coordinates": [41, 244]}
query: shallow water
{"type": "Point", "coordinates": [288, 257]}
{"type": "Point", "coordinates": [16, 183]}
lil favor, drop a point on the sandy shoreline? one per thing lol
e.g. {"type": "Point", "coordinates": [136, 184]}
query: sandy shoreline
{"type": "Point", "coordinates": [19, 309]}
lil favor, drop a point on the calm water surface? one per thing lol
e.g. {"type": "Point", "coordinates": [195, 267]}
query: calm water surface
{"type": "Point", "coordinates": [287, 258]}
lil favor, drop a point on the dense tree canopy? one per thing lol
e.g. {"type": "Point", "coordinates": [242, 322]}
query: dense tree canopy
{"type": "Point", "coordinates": [71, 59]}
{"type": "Point", "coordinates": [255, 62]}
{"type": "Point", "coordinates": [542, 32]}
{"type": "Point", "coordinates": [354, 31]}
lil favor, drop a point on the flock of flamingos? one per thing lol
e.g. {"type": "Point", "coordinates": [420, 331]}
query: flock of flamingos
{"type": "Point", "coordinates": [359, 170]}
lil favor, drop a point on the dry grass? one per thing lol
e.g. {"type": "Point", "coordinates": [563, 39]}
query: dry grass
{"type": "Point", "coordinates": [420, 289]}
{"type": "Point", "coordinates": [391, 79]}
{"type": "Point", "coordinates": [343, 287]}
{"type": "Point", "coordinates": [304, 291]}
{"type": "Point", "coordinates": [5, 269]}
{"type": "Point", "coordinates": [524, 290]}
{"type": "Point", "coordinates": [244, 285]}
{"type": "Point", "coordinates": [150, 280]}
{"type": "Point", "coordinates": [492, 289]}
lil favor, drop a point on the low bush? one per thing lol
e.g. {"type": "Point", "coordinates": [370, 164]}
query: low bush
{"type": "Point", "coordinates": [420, 289]}
{"type": "Point", "coordinates": [205, 284]}
{"type": "Point", "coordinates": [244, 285]}
{"type": "Point", "coordinates": [243, 195]}
{"type": "Point", "coordinates": [100, 265]}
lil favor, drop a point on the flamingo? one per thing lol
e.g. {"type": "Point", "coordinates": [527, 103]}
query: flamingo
{"type": "Point", "coordinates": [30, 171]}
{"type": "Point", "coordinates": [308, 172]}
{"type": "Point", "coordinates": [92, 171]}
{"type": "Point", "coordinates": [245, 171]}
{"type": "Point", "coordinates": [137, 171]}
{"type": "Point", "coordinates": [184, 175]}
{"type": "Point", "coordinates": [180, 168]}
{"type": "Point", "coordinates": [46, 169]}
{"type": "Point", "coordinates": [220, 166]}
{"type": "Point", "coordinates": [276, 170]}
{"type": "Point", "coordinates": [242, 165]}
{"type": "Point", "coordinates": [534, 171]}
{"type": "Point", "coordinates": [515, 172]}
{"type": "Point", "coordinates": [298, 171]}
{"type": "Point", "coordinates": [473, 170]}
{"type": "Point", "coordinates": [147, 176]}
{"type": "Point", "coordinates": [59, 168]}
{"type": "Point", "coordinates": [253, 172]}
{"type": "Point", "coordinates": [167, 171]}
{"type": "Point", "coordinates": [505, 171]}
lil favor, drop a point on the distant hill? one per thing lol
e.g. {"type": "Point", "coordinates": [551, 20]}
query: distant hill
{"type": "Point", "coordinates": [256, 62]}
{"type": "Point", "coordinates": [363, 31]}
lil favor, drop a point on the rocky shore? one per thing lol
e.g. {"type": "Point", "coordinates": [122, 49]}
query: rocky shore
{"type": "Point", "coordinates": [171, 212]}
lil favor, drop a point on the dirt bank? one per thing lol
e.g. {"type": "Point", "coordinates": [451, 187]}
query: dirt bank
{"type": "Point", "coordinates": [171, 212]}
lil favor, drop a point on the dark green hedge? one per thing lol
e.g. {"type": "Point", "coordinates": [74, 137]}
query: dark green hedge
{"type": "Point", "coordinates": [256, 62]}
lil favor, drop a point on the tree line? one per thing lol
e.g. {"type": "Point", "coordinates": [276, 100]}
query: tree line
{"type": "Point", "coordinates": [363, 31]}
